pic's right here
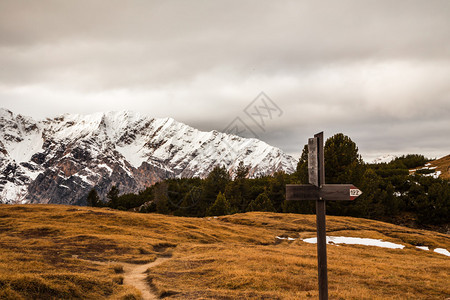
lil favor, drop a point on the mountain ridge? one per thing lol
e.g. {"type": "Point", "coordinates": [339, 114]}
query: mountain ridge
{"type": "Point", "coordinates": [58, 160]}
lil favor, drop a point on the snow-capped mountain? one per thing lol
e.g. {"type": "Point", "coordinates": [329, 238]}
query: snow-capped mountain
{"type": "Point", "coordinates": [59, 160]}
{"type": "Point", "coordinates": [384, 159]}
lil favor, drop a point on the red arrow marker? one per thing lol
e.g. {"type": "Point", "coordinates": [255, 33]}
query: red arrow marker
{"type": "Point", "coordinates": [354, 193]}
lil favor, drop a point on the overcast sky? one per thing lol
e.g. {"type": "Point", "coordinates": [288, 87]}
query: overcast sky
{"type": "Point", "coordinates": [377, 71]}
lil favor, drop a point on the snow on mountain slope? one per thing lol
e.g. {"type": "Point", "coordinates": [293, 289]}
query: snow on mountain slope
{"type": "Point", "coordinates": [384, 159]}
{"type": "Point", "coordinates": [20, 138]}
{"type": "Point", "coordinates": [59, 160]}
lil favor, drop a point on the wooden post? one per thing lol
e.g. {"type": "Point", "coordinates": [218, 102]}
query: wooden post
{"type": "Point", "coordinates": [320, 192]}
{"type": "Point", "coordinates": [321, 223]}
{"type": "Point", "coordinates": [322, 249]}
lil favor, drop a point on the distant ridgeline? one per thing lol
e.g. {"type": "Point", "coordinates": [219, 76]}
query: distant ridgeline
{"type": "Point", "coordinates": [59, 160]}
{"type": "Point", "coordinates": [390, 192]}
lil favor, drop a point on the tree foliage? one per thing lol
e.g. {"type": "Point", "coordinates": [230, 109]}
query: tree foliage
{"type": "Point", "coordinates": [113, 196]}
{"type": "Point", "coordinates": [220, 207]}
{"type": "Point", "coordinates": [261, 203]}
{"type": "Point", "coordinates": [93, 199]}
{"type": "Point", "coordinates": [343, 164]}
{"type": "Point", "coordinates": [301, 174]}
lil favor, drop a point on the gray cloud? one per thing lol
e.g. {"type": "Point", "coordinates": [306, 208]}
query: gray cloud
{"type": "Point", "coordinates": [375, 70]}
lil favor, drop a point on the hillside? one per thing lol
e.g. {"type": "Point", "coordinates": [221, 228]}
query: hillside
{"type": "Point", "coordinates": [439, 167]}
{"type": "Point", "coordinates": [50, 251]}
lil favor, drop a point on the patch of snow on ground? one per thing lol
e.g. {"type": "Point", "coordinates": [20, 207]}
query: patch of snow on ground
{"type": "Point", "coordinates": [356, 241]}
{"type": "Point", "coordinates": [442, 251]}
{"type": "Point", "coordinates": [285, 238]}
{"type": "Point", "coordinates": [423, 248]}
{"type": "Point", "coordinates": [434, 175]}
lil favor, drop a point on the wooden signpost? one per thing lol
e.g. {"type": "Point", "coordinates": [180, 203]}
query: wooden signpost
{"type": "Point", "coordinates": [321, 192]}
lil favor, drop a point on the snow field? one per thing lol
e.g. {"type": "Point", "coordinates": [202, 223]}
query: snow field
{"type": "Point", "coordinates": [335, 240]}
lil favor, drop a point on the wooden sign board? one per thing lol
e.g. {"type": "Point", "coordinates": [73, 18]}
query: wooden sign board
{"type": "Point", "coordinates": [313, 163]}
{"type": "Point", "coordinates": [336, 192]}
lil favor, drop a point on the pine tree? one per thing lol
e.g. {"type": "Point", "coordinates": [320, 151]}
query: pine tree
{"type": "Point", "coordinates": [93, 199]}
{"type": "Point", "coordinates": [113, 196]}
{"type": "Point", "coordinates": [277, 193]}
{"type": "Point", "coordinates": [261, 203]}
{"type": "Point", "coordinates": [161, 198]}
{"type": "Point", "coordinates": [241, 171]}
{"type": "Point", "coordinates": [220, 206]}
{"type": "Point", "coordinates": [190, 205]}
{"type": "Point", "coordinates": [343, 164]}
{"type": "Point", "coordinates": [216, 182]}
{"type": "Point", "coordinates": [301, 174]}
{"type": "Point", "coordinates": [370, 203]}
{"type": "Point", "coordinates": [434, 207]}
{"type": "Point", "coordinates": [237, 191]}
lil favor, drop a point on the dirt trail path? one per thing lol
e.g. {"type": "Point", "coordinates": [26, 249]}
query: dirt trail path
{"type": "Point", "coordinates": [135, 275]}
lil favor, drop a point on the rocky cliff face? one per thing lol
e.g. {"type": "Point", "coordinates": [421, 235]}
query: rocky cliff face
{"type": "Point", "coordinates": [59, 160]}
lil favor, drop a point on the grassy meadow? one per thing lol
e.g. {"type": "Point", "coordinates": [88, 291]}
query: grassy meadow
{"type": "Point", "coordinates": [68, 252]}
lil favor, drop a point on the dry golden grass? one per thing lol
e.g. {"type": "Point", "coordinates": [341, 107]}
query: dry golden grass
{"type": "Point", "coordinates": [443, 165]}
{"type": "Point", "coordinates": [46, 252]}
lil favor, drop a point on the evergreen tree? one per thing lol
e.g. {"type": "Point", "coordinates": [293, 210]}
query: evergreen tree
{"type": "Point", "coordinates": [237, 191]}
{"type": "Point", "coordinates": [343, 164]}
{"type": "Point", "coordinates": [190, 205]}
{"type": "Point", "coordinates": [277, 190]}
{"type": "Point", "coordinates": [299, 207]}
{"type": "Point", "coordinates": [433, 208]}
{"type": "Point", "coordinates": [261, 203]}
{"type": "Point", "coordinates": [233, 193]}
{"type": "Point", "coordinates": [410, 161]}
{"type": "Point", "coordinates": [301, 174]}
{"type": "Point", "coordinates": [366, 203]}
{"type": "Point", "coordinates": [93, 199]}
{"type": "Point", "coordinates": [214, 183]}
{"type": "Point", "coordinates": [220, 206]}
{"type": "Point", "coordinates": [129, 201]}
{"type": "Point", "coordinates": [377, 200]}
{"type": "Point", "coordinates": [241, 171]}
{"type": "Point", "coordinates": [113, 196]}
{"type": "Point", "coordinates": [161, 198]}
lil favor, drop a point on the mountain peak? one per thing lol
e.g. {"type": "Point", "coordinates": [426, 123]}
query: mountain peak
{"type": "Point", "coordinates": [5, 112]}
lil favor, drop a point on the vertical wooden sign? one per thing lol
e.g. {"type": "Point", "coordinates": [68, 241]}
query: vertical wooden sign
{"type": "Point", "coordinates": [320, 222]}
{"type": "Point", "coordinates": [319, 191]}
{"type": "Point", "coordinates": [313, 167]}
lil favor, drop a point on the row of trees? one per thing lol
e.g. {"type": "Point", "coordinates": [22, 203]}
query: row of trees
{"type": "Point", "coordinates": [217, 194]}
{"type": "Point", "coordinates": [388, 190]}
